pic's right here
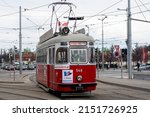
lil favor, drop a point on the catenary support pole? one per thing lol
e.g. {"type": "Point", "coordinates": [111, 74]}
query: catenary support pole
{"type": "Point", "coordinates": [129, 42]}
{"type": "Point", "coordinates": [20, 42]}
{"type": "Point", "coordinates": [103, 42]}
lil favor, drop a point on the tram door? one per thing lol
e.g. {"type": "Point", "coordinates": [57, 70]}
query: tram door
{"type": "Point", "coordinates": [50, 66]}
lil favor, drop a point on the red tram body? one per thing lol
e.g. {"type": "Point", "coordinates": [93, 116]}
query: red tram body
{"type": "Point", "coordinates": [66, 63]}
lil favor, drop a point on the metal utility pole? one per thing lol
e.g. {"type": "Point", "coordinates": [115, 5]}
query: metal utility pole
{"type": "Point", "coordinates": [129, 42]}
{"type": "Point", "coordinates": [121, 63]}
{"type": "Point", "coordinates": [103, 42]}
{"type": "Point", "coordinates": [20, 42]}
{"type": "Point", "coordinates": [14, 61]}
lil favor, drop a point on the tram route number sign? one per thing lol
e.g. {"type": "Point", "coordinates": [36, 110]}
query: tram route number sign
{"type": "Point", "coordinates": [67, 76]}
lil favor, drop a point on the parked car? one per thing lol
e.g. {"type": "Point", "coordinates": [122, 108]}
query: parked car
{"type": "Point", "coordinates": [5, 67]}
{"type": "Point", "coordinates": [11, 67]}
{"type": "Point", "coordinates": [142, 67]}
{"type": "Point", "coordinates": [24, 67]}
{"type": "Point", "coordinates": [31, 67]}
{"type": "Point", "coordinates": [148, 67]}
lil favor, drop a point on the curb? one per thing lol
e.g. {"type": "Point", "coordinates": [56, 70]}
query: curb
{"type": "Point", "coordinates": [138, 76]}
{"type": "Point", "coordinates": [13, 82]}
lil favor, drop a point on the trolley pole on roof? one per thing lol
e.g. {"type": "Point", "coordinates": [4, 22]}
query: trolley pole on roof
{"type": "Point", "coordinates": [129, 42]}
{"type": "Point", "coordinates": [20, 42]}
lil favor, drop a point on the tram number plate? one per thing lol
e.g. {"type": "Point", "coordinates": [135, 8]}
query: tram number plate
{"type": "Point", "coordinates": [79, 88]}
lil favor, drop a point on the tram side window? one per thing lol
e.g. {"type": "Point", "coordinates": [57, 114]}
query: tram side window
{"type": "Point", "coordinates": [41, 56]}
{"type": "Point", "coordinates": [53, 53]}
{"type": "Point", "coordinates": [91, 55]}
{"type": "Point", "coordinates": [61, 55]}
{"type": "Point", "coordinates": [50, 56]}
{"type": "Point", "coordinates": [38, 56]}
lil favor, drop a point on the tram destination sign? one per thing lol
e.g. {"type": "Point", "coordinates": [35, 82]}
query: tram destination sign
{"type": "Point", "coordinates": [78, 43]}
{"type": "Point", "coordinates": [76, 18]}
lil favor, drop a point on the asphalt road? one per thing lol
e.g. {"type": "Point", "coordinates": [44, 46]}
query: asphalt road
{"type": "Point", "coordinates": [30, 91]}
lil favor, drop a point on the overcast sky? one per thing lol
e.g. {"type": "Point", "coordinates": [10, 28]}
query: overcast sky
{"type": "Point", "coordinates": [36, 19]}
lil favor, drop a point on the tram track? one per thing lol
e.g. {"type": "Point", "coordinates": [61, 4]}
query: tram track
{"type": "Point", "coordinates": [129, 96]}
{"type": "Point", "coordinates": [22, 95]}
{"type": "Point", "coordinates": [24, 91]}
{"type": "Point", "coordinates": [20, 88]}
{"type": "Point", "coordinates": [30, 91]}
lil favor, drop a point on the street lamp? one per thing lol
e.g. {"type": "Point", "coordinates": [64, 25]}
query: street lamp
{"type": "Point", "coordinates": [103, 42]}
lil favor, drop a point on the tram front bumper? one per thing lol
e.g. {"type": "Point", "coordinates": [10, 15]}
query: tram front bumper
{"type": "Point", "coordinates": [79, 86]}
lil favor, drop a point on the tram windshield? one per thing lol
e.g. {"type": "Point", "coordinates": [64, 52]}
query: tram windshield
{"type": "Point", "coordinates": [78, 55]}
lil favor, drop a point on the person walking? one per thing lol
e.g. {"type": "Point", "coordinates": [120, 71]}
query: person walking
{"type": "Point", "coordinates": [138, 66]}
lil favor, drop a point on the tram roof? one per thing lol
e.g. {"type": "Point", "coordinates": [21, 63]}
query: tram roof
{"type": "Point", "coordinates": [66, 38]}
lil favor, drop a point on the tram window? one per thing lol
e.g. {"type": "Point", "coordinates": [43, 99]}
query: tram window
{"type": "Point", "coordinates": [41, 56]}
{"type": "Point", "coordinates": [38, 56]}
{"type": "Point", "coordinates": [91, 55]}
{"type": "Point", "coordinates": [50, 56]}
{"type": "Point", "coordinates": [45, 58]}
{"type": "Point", "coordinates": [53, 54]}
{"type": "Point", "coordinates": [78, 55]}
{"type": "Point", "coordinates": [61, 55]}
{"type": "Point", "coordinates": [44, 55]}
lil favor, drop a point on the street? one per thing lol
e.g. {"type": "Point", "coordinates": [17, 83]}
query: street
{"type": "Point", "coordinates": [110, 92]}
{"type": "Point", "coordinates": [29, 90]}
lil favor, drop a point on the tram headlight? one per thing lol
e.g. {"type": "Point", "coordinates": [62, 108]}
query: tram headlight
{"type": "Point", "coordinates": [65, 30]}
{"type": "Point", "coordinates": [79, 78]}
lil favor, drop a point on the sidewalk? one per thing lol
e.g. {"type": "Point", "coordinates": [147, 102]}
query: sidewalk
{"type": "Point", "coordinates": [113, 77]}
{"type": "Point", "coordinates": [10, 77]}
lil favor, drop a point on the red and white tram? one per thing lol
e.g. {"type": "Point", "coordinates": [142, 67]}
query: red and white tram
{"type": "Point", "coordinates": [66, 63]}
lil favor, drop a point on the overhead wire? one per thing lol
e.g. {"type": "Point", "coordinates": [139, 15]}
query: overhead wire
{"type": "Point", "coordinates": [7, 4]}
{"type": "Point", "coordinates": [88, 19]}
{"type": "Point", "coordinates": [4, 5]}
{"type": "Point", "coordinates": [9, 14]}
{"type": "Point", "coordinates": [23, 11]}
{"type": "Point", "coordinates": [35, 8]}
{"type": "Point", "coordinates": [141, 5]}
{"type": "Point", "coordinates": [101, 11]}
{"type": "Point", "coordinates": [87, 16]}
{"type": "Point", "coordinates": [144, 5]}
{"type": "Point", "coordinates": [140, 10]}
{"type": "Point", "coordinates": [109, 13]}
{"type": "Point", "coordinates": [31, 21]}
